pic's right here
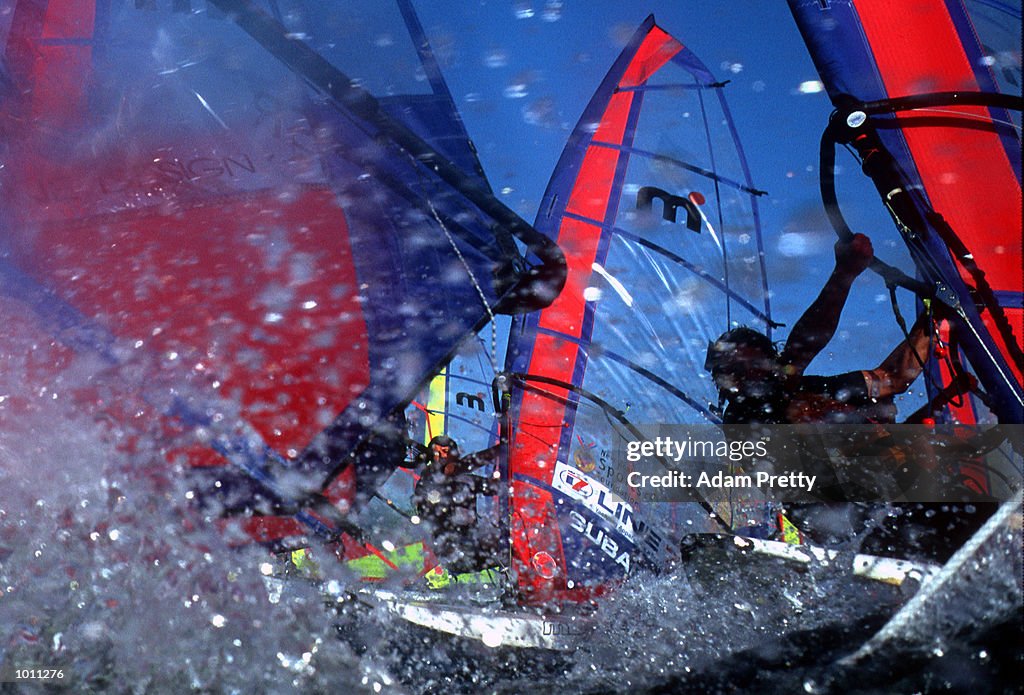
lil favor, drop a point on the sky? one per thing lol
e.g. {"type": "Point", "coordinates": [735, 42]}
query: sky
{"type": "Point", "coordinates": [522, 72]}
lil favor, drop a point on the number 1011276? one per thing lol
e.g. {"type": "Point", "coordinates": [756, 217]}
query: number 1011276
{"type": "Point", "coordinates": [24, 674]}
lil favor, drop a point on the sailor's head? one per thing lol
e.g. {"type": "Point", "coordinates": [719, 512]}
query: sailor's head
{"type": "Point", "coordinates": [743, 362]}
{"type": "Point", "coordinates": [442, 449]}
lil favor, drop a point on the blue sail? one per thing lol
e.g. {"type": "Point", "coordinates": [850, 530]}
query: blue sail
{"type": "Point", "coordinates": [654, 207]}
{"type": "Point", "coordinates": [270, 259]}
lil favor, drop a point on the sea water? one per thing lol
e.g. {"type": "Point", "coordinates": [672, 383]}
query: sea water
{"type": "Point", "coordinates": [109, 574]}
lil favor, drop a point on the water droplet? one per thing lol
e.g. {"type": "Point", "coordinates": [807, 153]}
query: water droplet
{"type": "Point", "coordinates": [496, 58]}
{"type": "Point", "coordinates": [516, 91]}
{"type": "Point", "coordinates": [552, 11]}
{"type": "Point", "coordinates": [523, 10]}
{"type": "Point", "coordinates": [810, 87]}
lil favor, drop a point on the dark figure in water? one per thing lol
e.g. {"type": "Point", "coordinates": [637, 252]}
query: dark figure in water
{"type": "Point", "coordinates": [761, 385]}
{"type": "Point", "coordinates": [445, 498]}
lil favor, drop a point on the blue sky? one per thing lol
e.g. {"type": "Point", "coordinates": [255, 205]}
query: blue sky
{"type": "Point", "coordinates": [522, 72]}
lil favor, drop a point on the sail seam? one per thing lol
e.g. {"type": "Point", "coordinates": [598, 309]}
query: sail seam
{"type": "Point", "coordinates": [703, 274]}
{"type": "Point", "coordinates": [664, 87]}
{"type": "Point", "coordinates": [679, 163]}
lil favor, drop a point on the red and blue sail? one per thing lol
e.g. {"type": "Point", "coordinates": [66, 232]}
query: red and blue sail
{"type": "Point", "coordinates": [256, 257]}
{"type": "Point", "coordinates": [925, 96]}
{"type": "Point", "coordinates": [653, 206]}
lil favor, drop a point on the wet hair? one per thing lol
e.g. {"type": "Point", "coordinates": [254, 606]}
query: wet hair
{"type": "Point", "coordinates": [444, 440]}
{"type": "Point", "coordinates": [722, 349]}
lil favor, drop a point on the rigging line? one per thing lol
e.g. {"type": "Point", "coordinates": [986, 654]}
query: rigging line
{"type": "Point", "coordinates": [957, 371]}
{"type": "Point", "coordinates": [672, 87]}
{"type": "Point", "coordinates": [990, 470]}
{"type": "Point", "coordinates": [679, 163]}
{"type": "Point", "coordinates": [488, 247]}
{"type": "Point", "coordinates": [426, 184]}
{"type": "Point", "coordinates": [1008, 379]}
{"type": "Point", "coordinates": [929, 218]}
{"type": "Point", "coordinates": [966, 261]}
{"type": "Point", "coordinates": [902, 323]}
{"type": "Point", "coordinates": [718, 206]}
{"type": "Point", "coordinates": [476, 285]}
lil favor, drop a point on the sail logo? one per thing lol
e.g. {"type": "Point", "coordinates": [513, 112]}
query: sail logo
{"type": "Point", "coordinates": [577, 483]}
{"type": "Point", "coordinates": [595, 497]}
{"type": "Point", "coordinates": [606, 504]}
{"type": "Point", "coordinates": [599, 537]}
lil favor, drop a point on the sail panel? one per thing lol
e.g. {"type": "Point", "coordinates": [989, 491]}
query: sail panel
{"type": "Point", "coordinates": [959, 163]}
{"type": "Point", "coordinates": [266, 265]}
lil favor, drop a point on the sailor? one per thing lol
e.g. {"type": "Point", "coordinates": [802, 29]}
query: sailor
{"type": "Point", "coordinates": [760, 385]}
{"type": "Point", "coordinates": [446, 496]}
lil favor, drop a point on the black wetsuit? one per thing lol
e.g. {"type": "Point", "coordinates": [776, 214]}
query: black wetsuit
{"type": "Point", "coordinates": [931, 529]}
{"type": "Point", "coordinates": [848, 392]}
{"type": "Point", "coordinates": [447, 503]}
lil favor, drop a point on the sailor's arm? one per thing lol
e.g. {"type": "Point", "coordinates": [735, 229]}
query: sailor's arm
{"type": "Point", "coordinates": [899, 370]}
{"type": "Point", "coordinates": [484, 457]}
{"type": "Point", "coordinates": [488, 486]}
{"type": "Point", "coordinates": [817, 326]}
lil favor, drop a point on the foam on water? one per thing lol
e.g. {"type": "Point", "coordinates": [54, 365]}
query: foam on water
{"type": "Point", "coordinates": [110, 572]}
